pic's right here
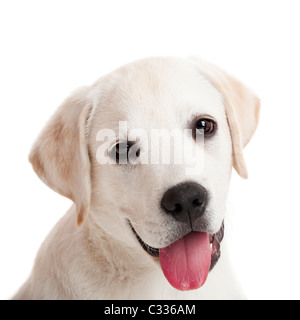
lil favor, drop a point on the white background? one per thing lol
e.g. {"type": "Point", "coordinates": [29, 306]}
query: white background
{"type": "Point", "coordinates": [48, 48]}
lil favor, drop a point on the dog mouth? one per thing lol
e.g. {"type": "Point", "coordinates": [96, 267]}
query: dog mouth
{"type": "Point", "coordinates": [187, 261]}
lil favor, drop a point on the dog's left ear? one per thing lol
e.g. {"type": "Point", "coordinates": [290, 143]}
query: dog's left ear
{"type": "Point", "coordinates": [242, 110]}
{"type": "Point", "coordinates": [60, 155]}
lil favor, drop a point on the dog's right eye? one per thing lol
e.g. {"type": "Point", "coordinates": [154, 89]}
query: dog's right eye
{"type": "Point", "coordinates": [122, 154]}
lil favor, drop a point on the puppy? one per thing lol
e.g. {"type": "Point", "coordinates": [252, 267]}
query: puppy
{"type": "Point", "coordinates": [147, 223]}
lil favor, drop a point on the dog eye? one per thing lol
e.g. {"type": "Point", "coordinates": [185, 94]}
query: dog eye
{"type": "Point", "coordinates": [122, 153]}
{"type": "Point", "coordinates": [207, 125]}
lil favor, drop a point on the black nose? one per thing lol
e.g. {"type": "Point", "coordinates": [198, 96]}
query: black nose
{"type": "Point", "coordinates": [185, 202]}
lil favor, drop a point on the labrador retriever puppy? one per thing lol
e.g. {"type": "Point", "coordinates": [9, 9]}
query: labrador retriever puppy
{"type": "Point", "coordinates": [143, 226]}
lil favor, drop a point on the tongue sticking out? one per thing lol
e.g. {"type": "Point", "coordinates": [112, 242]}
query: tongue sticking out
{"type": "Point", "coordinates": [186, 262]}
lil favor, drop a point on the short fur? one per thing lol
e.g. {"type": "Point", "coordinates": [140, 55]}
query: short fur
{"type": "Point", "coordinates": [99, 257]}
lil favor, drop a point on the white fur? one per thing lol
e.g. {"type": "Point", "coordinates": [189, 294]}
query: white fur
{"type": "Point", "coordinates": [102, 258]}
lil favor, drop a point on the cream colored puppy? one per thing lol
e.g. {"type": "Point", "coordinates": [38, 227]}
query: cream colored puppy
{"type": "Point", "coordinates": [147, 223]}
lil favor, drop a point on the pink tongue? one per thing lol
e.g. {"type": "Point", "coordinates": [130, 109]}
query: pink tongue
{"type": "Point", "coordinates": [186, 262]}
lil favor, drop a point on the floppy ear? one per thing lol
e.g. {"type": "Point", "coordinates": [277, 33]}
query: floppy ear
{"type": "Point", "coordinates": [60, 155]}
{"type": "Point", "coordinates": [242, 110]}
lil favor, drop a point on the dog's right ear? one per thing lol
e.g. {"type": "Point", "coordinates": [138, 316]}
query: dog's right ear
{"type": "Point", "coordinates": [60, 155]}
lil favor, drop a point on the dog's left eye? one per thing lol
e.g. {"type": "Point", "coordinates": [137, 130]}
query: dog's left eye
{"type": "Point", "coordinates": [207, 125]}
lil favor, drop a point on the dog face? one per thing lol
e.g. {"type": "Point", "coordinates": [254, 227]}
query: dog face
{"type": "Point", "coordinates": [149, 201]}
{"type": "Point", "coordinates": [160, 95]}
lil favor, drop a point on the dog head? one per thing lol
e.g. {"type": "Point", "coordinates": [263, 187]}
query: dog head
{"type": "Point", "coordinates": [103, 150]}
